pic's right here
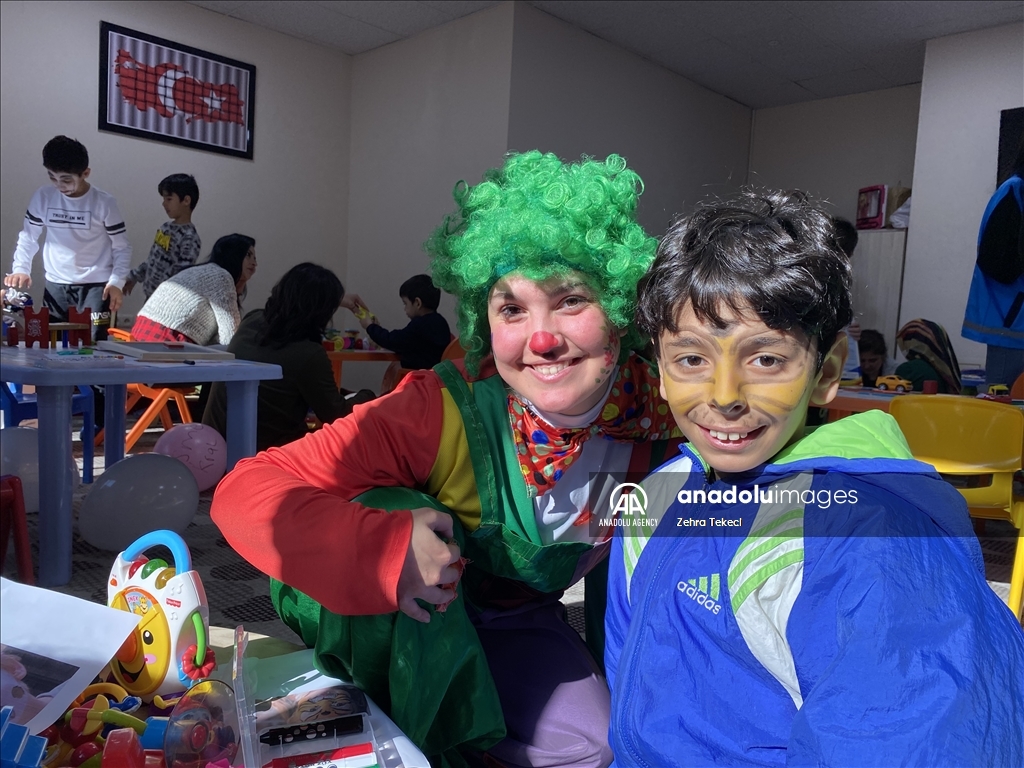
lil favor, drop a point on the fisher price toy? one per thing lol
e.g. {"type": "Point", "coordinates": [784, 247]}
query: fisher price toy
{"type": "Point", "coordinates": [169, 649]}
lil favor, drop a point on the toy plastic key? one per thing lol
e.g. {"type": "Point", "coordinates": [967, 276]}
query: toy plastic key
{"type": "Point", "coordinates": [169, 649]}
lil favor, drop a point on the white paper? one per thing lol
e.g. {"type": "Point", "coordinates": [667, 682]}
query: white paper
{"type": "Point", "coordinates": [56, 641]}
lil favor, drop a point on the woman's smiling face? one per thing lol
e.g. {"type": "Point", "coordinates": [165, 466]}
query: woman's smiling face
{"type": "Point", "coordinates": [552, 342]}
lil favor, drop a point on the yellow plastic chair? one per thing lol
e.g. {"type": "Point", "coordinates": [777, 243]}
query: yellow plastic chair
{"type": "Point", "coordinates": [967, 437]}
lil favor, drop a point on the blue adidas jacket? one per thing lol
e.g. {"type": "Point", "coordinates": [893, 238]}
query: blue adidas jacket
{"type": "Point", "coordinates": [782, 632]}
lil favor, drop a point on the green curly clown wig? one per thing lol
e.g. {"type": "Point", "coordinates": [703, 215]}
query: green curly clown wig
{"type": "Point", "coordinates": [539, 217]}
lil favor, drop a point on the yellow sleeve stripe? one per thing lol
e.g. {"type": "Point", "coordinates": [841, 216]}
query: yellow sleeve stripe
{"type": "Point", "coordinates": [451, 480]}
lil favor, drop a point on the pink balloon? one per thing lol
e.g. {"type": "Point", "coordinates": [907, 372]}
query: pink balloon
{"type": "Point", "coordinates": [198, 447]}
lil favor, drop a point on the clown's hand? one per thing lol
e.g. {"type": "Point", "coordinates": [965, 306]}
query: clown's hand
{"type": "Point", "coordinates": [428, 563]}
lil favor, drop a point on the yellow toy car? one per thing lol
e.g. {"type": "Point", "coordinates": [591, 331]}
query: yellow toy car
{"type": "Point", "coordinates": [1000, 393]}
{"type": "Point", "coordinates": [892, 381]}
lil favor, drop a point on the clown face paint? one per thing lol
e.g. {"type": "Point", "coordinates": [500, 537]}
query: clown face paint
{"type": "Point", "coordinates": [740, 394]}
{"type": "Point", "coordinates": [552, 342]}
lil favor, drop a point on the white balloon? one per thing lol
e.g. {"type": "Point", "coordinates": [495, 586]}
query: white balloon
{"type": "Point", "coordinates": [138, 495]}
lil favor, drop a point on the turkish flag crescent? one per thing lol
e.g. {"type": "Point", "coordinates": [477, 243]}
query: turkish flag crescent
{"type": "Point", "coordinates": [171, 90]}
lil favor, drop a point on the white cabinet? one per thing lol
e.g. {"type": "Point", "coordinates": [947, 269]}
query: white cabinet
{"type": "Point", "coordinates": [878, 281]}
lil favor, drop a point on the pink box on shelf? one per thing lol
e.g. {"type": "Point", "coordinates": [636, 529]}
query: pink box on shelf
{"type": "Point", "coordinates": [871, 207]}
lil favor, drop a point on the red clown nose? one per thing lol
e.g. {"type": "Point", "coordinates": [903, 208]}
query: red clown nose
{"type": "Point", "coordinates": [542, 342]}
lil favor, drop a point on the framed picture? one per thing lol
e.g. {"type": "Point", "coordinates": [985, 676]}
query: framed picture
{"type": "Point", "coordinates": [156, 89]}
{"type": "Point", "coordinates": [871, 207]}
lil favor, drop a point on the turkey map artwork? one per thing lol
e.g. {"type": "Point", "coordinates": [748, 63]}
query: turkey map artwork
{"type": "Point", "coordinates": [157, 89]}
{"type": "Point", "coordinates": [171, 90]}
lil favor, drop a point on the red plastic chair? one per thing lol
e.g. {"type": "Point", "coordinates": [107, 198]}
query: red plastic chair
{"type": "Point", "coordinates": [392, 376]}
{"type": "Point", "coordinates": [12, 519]}
{"type": "Point", "coordinates": [454, 350]}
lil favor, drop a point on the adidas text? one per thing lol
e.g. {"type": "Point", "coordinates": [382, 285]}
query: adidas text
{"type": "Point", "coordinates": [699, 597]}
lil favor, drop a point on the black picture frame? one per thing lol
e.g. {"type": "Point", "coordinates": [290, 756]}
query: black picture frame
{"type": "Point", "coordinates": [157, 89]}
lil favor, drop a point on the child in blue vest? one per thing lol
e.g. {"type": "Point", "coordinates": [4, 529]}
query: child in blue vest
{"type": "Point", "coordinates": [784, 599]}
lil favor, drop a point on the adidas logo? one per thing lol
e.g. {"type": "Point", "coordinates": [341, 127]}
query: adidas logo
{"type": "Point", "coordinates": [704, 591]}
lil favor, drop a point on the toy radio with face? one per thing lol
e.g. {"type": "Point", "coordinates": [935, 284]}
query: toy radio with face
{"type": "Point", "coordinates": [169, 648]}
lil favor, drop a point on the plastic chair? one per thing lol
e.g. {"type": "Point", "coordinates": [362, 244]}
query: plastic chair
{"type": "Point", "coordinates": [160, 396]}
{"type": "Point", "coordinates": [119, 334]}
{"type": "Point", "coordinates": [392, 376]}
{"type": "Point", "coordinates": [967, 437]}
{"type": "Point", "coordinates": [1017, 390]}
{"type": "Point", "coordinates": [454, 351]}
{"type": "Point", "coordinates": [13, 520]}
{"type": "Point", "coordinates": [17, 406]}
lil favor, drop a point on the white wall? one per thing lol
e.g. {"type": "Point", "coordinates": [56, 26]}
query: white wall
{"type": "Point", "coordinates": [573, 93]}
{"type": "Point", "coordinates": [292, 197]}
{"type": "Point", "coordinates": [426, 112]}
{"type": "Point", "coordinates": [833, 147]}
{"type": "Point", "coordinates": [968, 79]}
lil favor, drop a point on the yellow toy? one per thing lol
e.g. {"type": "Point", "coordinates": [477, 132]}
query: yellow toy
{"type": "Point", "coordinates": [169, 649]}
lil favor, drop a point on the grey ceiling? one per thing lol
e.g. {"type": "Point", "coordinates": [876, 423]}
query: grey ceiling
{"type": "Point", "coordinates": [760, 53]}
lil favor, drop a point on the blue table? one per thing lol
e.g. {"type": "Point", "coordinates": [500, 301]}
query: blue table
{"type": "Point", "coordinates": [54, 381]}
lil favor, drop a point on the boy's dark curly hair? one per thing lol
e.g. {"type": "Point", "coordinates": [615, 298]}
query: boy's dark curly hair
{"type": "Point", "coordinates": [774, 251]}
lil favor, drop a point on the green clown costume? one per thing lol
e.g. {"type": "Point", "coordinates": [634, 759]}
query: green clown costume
{"type": "Point", "coordinates": [496, 669]}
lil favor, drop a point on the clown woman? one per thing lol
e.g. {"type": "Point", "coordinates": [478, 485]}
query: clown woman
{"type": "Point", "coordinates": [421, 545]}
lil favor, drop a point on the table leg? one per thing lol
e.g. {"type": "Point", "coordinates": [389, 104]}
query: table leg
{"type": "Point", "coordinates": [55, 485]}
{"type": "Point", "coordinates": [242, 397]}
{"type": "Point", "coordinates": [113, 426]}
{"type": "Point", "coordinates": [336, 367]}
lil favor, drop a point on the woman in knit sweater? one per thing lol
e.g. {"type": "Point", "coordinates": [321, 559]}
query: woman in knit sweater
{"type": "Point", "coordinates": [200, 304]}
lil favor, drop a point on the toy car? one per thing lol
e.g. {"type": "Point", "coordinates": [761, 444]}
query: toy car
{"type": "Point", "coordinates": [892, 381]}
{"type": "Point", "coordinates": [1000, 393]}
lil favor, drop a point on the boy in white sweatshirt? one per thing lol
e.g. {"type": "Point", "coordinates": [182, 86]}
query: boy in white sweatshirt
{"type": "Point", "coordinates": [86, 255]}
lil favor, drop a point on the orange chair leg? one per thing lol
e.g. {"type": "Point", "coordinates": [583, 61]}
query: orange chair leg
{"type": "Point", "coordinates": [133, 398]}
{"type": "Point", "coordinates": [143, 423]}
{"type": "Point", "coordinates": [165, 418]}
{"type": "Point", "coordinates": [183, 409]}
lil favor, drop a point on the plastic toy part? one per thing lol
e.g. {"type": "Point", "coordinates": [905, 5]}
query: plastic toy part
{"type": "Point", "coordinates": [124, 750]}
{"type": "Point", "coordinates": [168, 649]}
{"type": "Point", "coordinates": [203, 728]}
{"type": "Point", "coordinates": [18, 748]}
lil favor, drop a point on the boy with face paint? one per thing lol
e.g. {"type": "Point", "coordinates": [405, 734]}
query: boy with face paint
{"type": "Point", "coordinates": [422, 543]}
{"type": "Point", "coordinates": [785, 599]}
